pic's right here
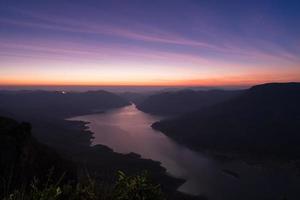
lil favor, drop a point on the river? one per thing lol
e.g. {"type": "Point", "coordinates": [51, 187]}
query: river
{"type": "Point", "coordinates": [128, 130]}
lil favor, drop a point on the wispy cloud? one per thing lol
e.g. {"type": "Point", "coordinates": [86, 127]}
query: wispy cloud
{"type": "Point", "coordinates": [59, 49]}
{"type": "Point", "coordinates": [149, 34]}
{"type": "Point", "coordinates": [141, 33]}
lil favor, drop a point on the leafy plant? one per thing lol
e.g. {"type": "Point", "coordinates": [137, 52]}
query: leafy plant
{"type": "Point", "coordinates": [136, 187]}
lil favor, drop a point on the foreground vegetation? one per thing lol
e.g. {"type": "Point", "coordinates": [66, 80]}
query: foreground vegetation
{"type": "Point", "coordinates": [137, 187]}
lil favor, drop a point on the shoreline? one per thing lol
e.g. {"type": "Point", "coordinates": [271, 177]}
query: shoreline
{"type": "Point", "coordinates": [176, 182]}
{"type": "Point", "coordinates": [263, 161]}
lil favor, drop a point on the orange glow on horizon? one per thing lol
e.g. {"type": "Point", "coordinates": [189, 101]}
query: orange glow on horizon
{"type": "Point", "coordinates": [241, 80]}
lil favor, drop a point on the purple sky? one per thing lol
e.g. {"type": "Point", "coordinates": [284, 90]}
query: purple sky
{"type": "Point", "coordinates": [145, 42]}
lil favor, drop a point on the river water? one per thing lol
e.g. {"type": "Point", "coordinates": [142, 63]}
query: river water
{"type": "Point", "coordinates": [128, 130]}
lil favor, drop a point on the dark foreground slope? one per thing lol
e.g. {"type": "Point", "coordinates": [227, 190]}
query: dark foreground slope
{"type": "Point", "coordinates": [265, 121]}
{"type": "Point", "coordinates": [22, 157]}
{"type": "Point", "coordinates": [183, 101]}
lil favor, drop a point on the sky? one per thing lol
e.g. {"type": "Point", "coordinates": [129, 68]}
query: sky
{"type": "Point", "coordinates": [149, 42]}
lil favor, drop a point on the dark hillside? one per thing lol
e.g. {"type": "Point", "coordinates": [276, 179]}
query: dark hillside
{"type": "Point", "coordinates": [33, 104]}
{"type": "Point", "coordinates": [264, 120]}
{"type": "Point", "coordinates": [22, 157]}
{"type": "Point", "coordinates": [183, 101]}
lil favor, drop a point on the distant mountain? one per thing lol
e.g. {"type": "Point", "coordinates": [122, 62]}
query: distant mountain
{"type": "Point", "coordinates": [183, 101]}
{"type": "Point", "coordinates": [134, 97]}
{"type": "Point", "coordinates": [264, 120]}
{"type": "Point", "coordinates": [24, 104]}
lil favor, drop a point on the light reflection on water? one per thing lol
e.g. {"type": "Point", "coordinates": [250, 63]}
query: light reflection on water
{"type": "Point", "coordinates": [128, 130]}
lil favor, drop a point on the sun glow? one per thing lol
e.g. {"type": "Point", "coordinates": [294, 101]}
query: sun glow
{"type": "Point", "coordinates": [50, 48]}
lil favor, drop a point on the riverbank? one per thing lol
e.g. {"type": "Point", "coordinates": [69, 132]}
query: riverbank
{"type": "Point", "coordinates": [251, 158]}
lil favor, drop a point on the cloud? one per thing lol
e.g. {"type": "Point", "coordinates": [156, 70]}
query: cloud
{"type": "Point", "coordinates": [140, 33]}
{"type": "Point", "coordinates": [229, 51]}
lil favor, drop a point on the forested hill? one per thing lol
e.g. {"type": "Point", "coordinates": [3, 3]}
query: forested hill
{"type": "Point", "coordinates": [264, 120]}
{"type": "Point", "coordinates": [29, 104]}
{"type": "Point", "coordinates": [183, 101]}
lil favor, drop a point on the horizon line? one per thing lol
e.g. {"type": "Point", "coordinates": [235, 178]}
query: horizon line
{"type": "Point", "coordinates": [141, 85]}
